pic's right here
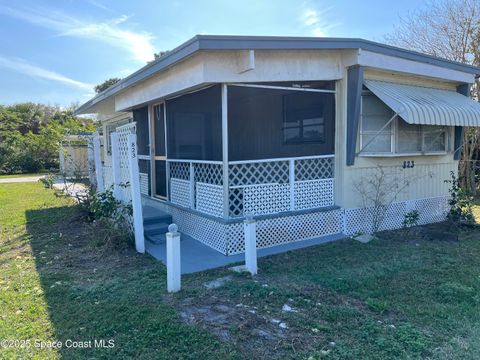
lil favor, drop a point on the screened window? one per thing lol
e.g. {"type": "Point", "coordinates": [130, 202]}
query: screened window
{"type": "Point", "coordinates": [267, 123]}
{"type": "Point", "coordinates": [140, 116]}
{"type": "Point", "coordinates": [379, 134]}
{"type": "Point", "coordinates": [194, 125]}
{"type": "Point", "coordinates": [303, 121]}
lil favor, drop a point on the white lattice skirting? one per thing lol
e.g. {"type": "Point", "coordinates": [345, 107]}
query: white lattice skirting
{"type": "Point", "coordinates": [228, 238]}
{"type": "Point", "coordinates": [431, 210]}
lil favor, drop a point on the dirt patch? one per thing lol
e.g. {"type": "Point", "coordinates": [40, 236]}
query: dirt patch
{"type": "Point", "coordinates": [442, 231]}
{"type": "Point", "coordinates": [258, 335]}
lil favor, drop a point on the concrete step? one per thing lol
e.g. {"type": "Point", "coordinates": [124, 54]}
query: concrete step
{"type": "Point", "coordinates": [156, 239]}
{"type": "Point", "coordinates": [157, 218]}
{"type": "Point", "coordinates": [155, 228]}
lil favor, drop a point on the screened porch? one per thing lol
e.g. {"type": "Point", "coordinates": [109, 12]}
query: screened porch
{"type": "Point", "coordinates": [234, 150]}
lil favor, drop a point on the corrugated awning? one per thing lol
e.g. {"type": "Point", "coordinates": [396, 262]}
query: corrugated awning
{"type": "Point", "coordinates": [427, 106]}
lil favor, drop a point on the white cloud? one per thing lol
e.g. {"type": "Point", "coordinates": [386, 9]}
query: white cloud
{"type": "Point", "coordinates": [315, 21]}
{"type": "Point", "coordinates": [23, 67]}
{"type": "Point", "coordinates": [112, 32]}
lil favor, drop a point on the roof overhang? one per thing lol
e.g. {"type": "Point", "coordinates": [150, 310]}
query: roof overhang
{"type": "Point", "coordinates": [220, 42]}
{"type": "Point", "coordinates": [425, 105]}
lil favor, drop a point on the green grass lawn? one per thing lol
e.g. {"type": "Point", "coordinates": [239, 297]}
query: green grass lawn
{"type": "Point", "coordinates": [398, 297]}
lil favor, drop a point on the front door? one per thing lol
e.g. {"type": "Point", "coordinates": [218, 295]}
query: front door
{"type": "Point", "coordinates": [159, 163]}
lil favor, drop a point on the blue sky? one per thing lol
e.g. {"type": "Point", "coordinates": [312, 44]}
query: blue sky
{"type": "Point", "coordinates": [56, 51]}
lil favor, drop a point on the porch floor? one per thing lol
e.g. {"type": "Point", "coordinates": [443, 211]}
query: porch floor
{"type": "Point", "coordinates": [196, 256]}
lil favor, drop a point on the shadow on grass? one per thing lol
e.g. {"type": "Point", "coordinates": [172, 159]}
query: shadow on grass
{"type": "Point", "coordinates": [94, 293]}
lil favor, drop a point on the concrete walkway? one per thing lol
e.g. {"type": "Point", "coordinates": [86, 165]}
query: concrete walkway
{"type": "Point", "coordinates": [21, 179]}
{"type": "Point", "coordinates": [70, 188]}
{"type": "Point", "coordinates": [196, 256]}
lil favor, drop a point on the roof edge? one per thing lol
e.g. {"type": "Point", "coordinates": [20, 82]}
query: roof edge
{"type": "Point", "coordinates": [235, 42]}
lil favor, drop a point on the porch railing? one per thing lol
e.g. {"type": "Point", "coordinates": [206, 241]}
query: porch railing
{"type": "Point", "coordinates": [256, 187]}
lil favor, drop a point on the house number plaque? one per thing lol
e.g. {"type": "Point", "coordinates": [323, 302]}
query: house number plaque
{"type": "Point", "coordinates": [408, 164]}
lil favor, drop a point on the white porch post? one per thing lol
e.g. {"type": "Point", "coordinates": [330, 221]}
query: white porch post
{"type": "Point", "coordinates": [98, 162]}
{"type": "Point", "coordinates": [291, 175]}
{"type": "Point", "coordinates": [250, 229]}
{"type": "Point", "coordinates": [136, 197]}
{"type": "Point", "coordinates": [115, 165]}
{"type": "Point", "coordinates": [225, 150]}
{"type": "Point", "coordinates": [173, 259]}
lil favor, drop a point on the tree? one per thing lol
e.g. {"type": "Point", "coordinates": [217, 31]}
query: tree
{"type": "Point", "coordinates": [30, 135]}
{"type": "Point", "coordinates": [449, 29]}
{"type": "Point", "coordinates": [106, 84]}
{"type": "Point", "coordinates": [159, 55]}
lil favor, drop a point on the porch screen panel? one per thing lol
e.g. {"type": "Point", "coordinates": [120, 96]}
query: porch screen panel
{"type": "Point", "coordinates": [160, 178]}
{"type": "Point", "coordinates": [194, 125]}
{"type": "Point", "coordinates": [159, 125]}
{"type": "Point", "coordinates": [140, 116]}
{"type": "Point", "coordinates": [272, 123]}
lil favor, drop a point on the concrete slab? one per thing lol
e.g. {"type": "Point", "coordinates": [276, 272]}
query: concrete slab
{"type": "Point", "coordinates": [196, 257]}
{"type": "Point", "coordinates": [21, 179]}
{"type": "Point", "coordinates": [70, 188]}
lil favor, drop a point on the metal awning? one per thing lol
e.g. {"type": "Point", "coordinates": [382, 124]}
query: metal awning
{"type": "Point", "coordinates": [425, 105]}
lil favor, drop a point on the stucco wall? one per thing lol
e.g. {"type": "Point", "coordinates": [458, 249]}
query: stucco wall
{"type": "Point", "coordinates": [229, 66]}
{"type": "Point", "coordinates": [427, 177]}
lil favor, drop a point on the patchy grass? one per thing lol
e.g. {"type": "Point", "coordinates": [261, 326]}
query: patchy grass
{"type": "Point", "coordinates": [56, 284]}
{"type": "Point", "coordinates": [402, 296]}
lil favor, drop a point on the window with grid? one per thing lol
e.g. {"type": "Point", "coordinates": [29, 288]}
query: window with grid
{"type": "Point", "coordinates": [379, 134]}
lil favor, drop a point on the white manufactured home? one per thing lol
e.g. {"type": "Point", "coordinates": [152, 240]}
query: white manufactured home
{"type": "Point", "coordinates": [288, 130]}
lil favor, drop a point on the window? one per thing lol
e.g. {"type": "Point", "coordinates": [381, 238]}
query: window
{"type": "Point", "coordinates": [379, 134]}
{"type": "Point", "coordinates": [194, 125]}
{"type": "Point", "coordinates": [376, 132]}
{"type": "Point", "coordinates": [303, 121]}
{"type": "Point", "coordinates": [268, 123]}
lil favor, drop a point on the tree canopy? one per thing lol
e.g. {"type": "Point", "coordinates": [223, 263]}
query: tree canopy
{"type": "Point", "coordinates": [30, 135]}
{"type": "Point", "coordinates": [106, 84]}
{"type": "Point", "coordinates": [449, 29]}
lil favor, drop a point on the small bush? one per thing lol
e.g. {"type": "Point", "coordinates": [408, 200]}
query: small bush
{"type": "Point", "coordinates": [411, 219]}
{"type": "Point", "coordinates": [460, 202]}
{"type": "Point", "coordinates": [110, 218]}
{"type": "Point", "coordinates": [48, 181]}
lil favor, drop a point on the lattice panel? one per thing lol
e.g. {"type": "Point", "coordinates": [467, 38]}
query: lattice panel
{"type": "Point", "coordinates": [91, 161]}
{"type": "Point", "coordinates": [311, 169]}
{"type": "Point", "coordinates": [266, 199]}
{"type": "Point", "coordinates": [179, 170]}
{"type": "Point", "coordinates": [209, 199]}
{"type": "Point", "coordinates": [208, 173]}
{"type": "Point", "coordinates": [144, 183]}
{"type": "Point", "coordinates": [280, 230]}
{"type": "Point", "coordinates": [205, 230]}
{"type": "Point", "coordinates": [258, 173]}
{"type": "Point", "coordinates": [107, 176]}
{"type": "Point", "coordinates": [180, 192]}
{"type": "Point", "coordinates": [432, 209]}
{"type": "Point", "coordinates": [313, 193]}
{"type": "Point", "coordinates": [235, 202]}
{"type": "Point", "coordinates": [360, 220]}
{"type": "Point", "coordinates": [122, 133]}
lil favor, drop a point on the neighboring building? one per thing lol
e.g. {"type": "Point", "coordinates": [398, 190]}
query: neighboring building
{"type": "Point", "coordinates": [73, 156]}
{"type": "Point", "coordinates": [286, 129]}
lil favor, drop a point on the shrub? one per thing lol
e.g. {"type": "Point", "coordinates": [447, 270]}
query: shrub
{"type": "Point", "coordinates": [411, 219]}
{"type": "Point", "coordinates": [48, 181]}
{"type": "Point", "coordinates": [460, 202]}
